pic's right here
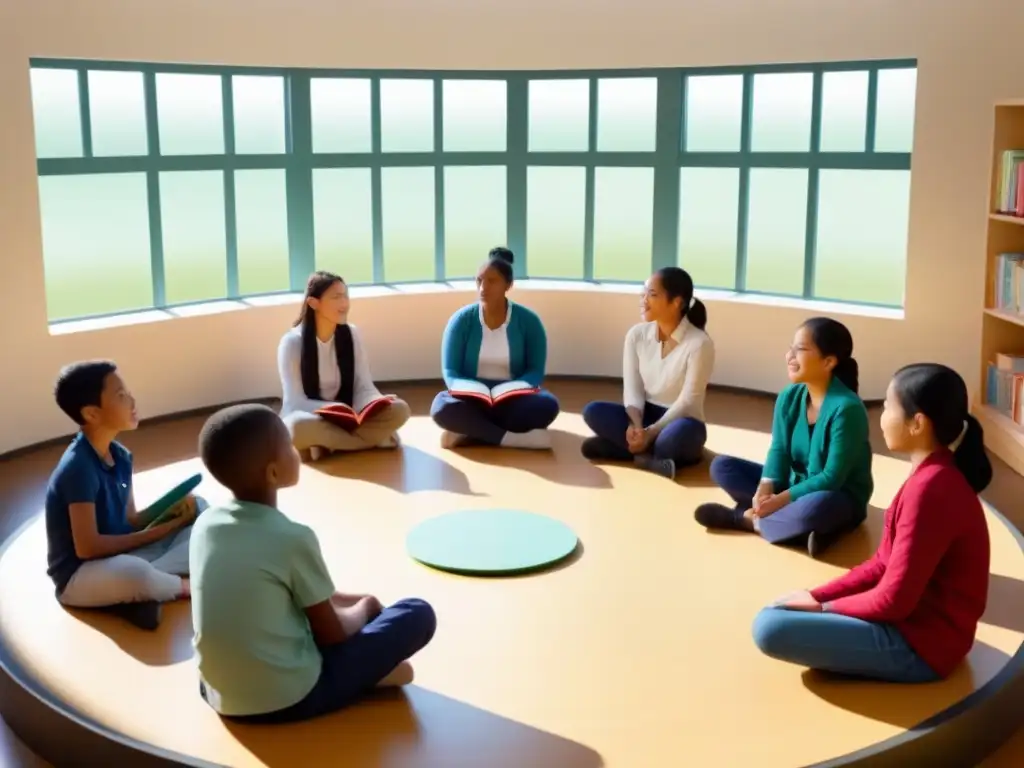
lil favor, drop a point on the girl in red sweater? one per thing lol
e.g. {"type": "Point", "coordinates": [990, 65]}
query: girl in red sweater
{"type": "Point", "coordinates": [909, 614]}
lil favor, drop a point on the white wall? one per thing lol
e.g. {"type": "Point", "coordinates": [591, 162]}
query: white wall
{"type": "Point", "coordinates": [965, 60]}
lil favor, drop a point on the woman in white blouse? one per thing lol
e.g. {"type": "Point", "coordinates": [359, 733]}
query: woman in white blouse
{"type": "Point", "coordinates": [322, 361]}
{"type": "Point", "coordinates": [666, 366]}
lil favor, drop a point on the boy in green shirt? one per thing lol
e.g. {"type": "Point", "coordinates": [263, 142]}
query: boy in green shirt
{"type": "Point", "coordinates": [275, 642]}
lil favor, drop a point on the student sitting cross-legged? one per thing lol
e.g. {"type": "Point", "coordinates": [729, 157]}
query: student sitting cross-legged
{"type": "Point", "coordinates": [322, 362]}
{"type": "Point", "coordinates": [275, 642]}
{"type": "Point", "coordinates": [908, 614]}
{"type": "Point", "coordinates": [666, 365]}
{"type": "Point", "coordinates": [101, 554]}
{"type": "Point", "coordinates": [816, 482]}
{"type": "Point", "coordinates": [488, 347]}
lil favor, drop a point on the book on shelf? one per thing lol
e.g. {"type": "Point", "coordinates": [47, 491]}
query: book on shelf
{"type": "Point", "coordinates": [347, 417]}
{"type": "Point", "coordinates": [1011, 183]}
{"type": "Point", "coordinates": [491, 395]}
{"type": "Point", "coordinates": [1008, 289]}
{"type": "Point", "coordinates": [1004, 388]}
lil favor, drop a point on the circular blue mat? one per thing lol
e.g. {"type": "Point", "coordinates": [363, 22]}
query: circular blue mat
{"type": "Point", "coordinates": [491, 542]}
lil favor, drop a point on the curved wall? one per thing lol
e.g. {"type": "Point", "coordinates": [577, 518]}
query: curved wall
{"type": "Point", "coordinates": [186, 362]}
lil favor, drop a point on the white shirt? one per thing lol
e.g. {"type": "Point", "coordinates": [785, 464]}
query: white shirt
{"type": "Point", "coordinates": [289, 356]}
{"type": "Point", "coordinates": [678, 381]}
{"type": "Point", "coordinates": [493, 363]}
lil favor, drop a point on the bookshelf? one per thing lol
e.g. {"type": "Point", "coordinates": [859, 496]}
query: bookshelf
{"type": "Point", "coordinates": [1003, 314]}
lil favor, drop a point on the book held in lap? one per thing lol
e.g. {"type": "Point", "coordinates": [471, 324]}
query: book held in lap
{"type": "Point", "coordinates": [467, 388]}
{"type": "Point", "coordinates": [346, 417]}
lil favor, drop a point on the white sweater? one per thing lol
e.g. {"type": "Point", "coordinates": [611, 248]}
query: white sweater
{"type": "Point", "coordinates": [678, 381]}
{"type": "Point", "coordinates": [289, 356]}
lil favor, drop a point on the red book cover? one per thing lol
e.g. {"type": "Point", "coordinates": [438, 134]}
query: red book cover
{"type": "Point", "coordinates": [491, 396]}
{"type": "Point", "coordinates": [346, 417]}
{"type": "Point", "coordinates": [1019, 206]}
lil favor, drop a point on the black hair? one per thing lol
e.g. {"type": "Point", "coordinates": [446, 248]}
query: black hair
{"type": "Point", "coordinates": [677, 283]}
{"type": "Point", "coordinates": [80, 385]}
{"type": "Point", "coordinates": [316, 286]}
{"type": "Point", "coordinates": [940, 394]}
{"type": "Point", "coordinates": [500, 259]}
{"type": "Point", "coordinates": [833, 339]}
{"type": "Point", "coordinates": [238, 442]}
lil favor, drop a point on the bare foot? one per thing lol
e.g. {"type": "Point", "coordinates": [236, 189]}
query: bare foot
{"type": "Point", "coordinates": [186, 589]}
{"type": "Point", "coordinates": [399, 676]}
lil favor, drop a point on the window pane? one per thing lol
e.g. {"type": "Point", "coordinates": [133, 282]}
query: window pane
{"type": "Point", "coordinates": [195, 246]}
{"type": "Point", "coordinates": [894, 121]}
{"type": "Point", "coordinates": [190, 114]}
{"type": "Point", "coordinates": [408, 212]}
{"type": "Point", "coordinates": [58, 121]}
{"type": "Point", "coordinates": [343, 222]}
{"type": "Point", "coordinates": [782, 112]}
{"type": "Point", "coordinates": [627, 114]}
{"type": "Point", "coordinates": [776, 230]}
{"type": "Point", "coordinates": [259, 114]}
{"type": "Point", "coordinates": [555, 221]}
{"type": "Point", "coordinates": [475, 217]}
{"type": "Point", "coordinates": [714, 112]}
{"type": "Point", "coordinates": [844, 111]}
{"type": "Point", "coordinates": [559, 116]}
{"type": "Point", "coordinates": [407, 115]}
{"type": "Point", "coordinates": [623, 222]}
{"type": "Point", "coordinates": [261, 221]}
{"type": "Point", "coordinates": [96, 252]}
{"type": "Point", "coordinates": [709, 200]}
{"type": "Point", "coordinates": [475, 115]}
{"type": "Point", "coordinates": [862, 236]}
{"type": "Point", "coordinates": [340, 114]}
{"type": "Point", "coordinates": [117, 114]}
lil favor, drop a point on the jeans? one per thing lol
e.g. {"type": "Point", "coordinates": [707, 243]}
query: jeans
{"type": "Point", "coordinates": [839, 644]}
{"type": "Point", "coordinates": [488, 424]}
{"type": "Point", "coordinates": [824, 512]}
{"type": "Point", "coordinates": [354, 666]}
{"type": "Point", "coordinates": [682, 440]}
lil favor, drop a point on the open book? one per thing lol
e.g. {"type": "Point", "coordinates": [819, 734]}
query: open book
{"type": "Point", "coordinates": [491, 396]}
{"type": "Point", "coordinates": [166, 507]}
{"type": "Point", "coordinates": [346, 417]}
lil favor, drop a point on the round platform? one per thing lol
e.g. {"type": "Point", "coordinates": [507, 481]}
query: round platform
{"type": "Point", "coordinates": [639, 654]}
{"type": "Point", "coordinates": [491, 542]}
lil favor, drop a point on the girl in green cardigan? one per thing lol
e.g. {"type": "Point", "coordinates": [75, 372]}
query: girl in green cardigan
{"type": "Point", "coordinates": [816, 481]}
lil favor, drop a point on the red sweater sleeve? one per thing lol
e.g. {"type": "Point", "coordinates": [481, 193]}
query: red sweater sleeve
{"type": "Point", "coordinates": [864, 576]}
{"type": "Point", "coordinates": [923, 530]}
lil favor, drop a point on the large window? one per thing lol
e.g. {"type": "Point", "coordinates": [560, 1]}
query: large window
{"type": "Point", "coordinates": [165, 185]}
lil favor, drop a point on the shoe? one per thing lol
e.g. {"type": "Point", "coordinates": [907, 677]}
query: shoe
{"type": "Point", "coordinates": [599, 449]}
{"type": "Point", "coordinates": [817, 543]}
{"type": "Point", "coordinates": [144, 615]}
{"type": "Point", "coordinates": [452, 439]}
{"type": "Point", "coordinates": [664, 467]}
{"type": "Point", "coordinates": [315, 453]}
{"type": "Point", "coordinates": [720, 516]}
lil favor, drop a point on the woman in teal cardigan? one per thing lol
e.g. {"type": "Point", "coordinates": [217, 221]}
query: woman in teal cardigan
{"type": "Point", "coordinates": [816, 481]}
{"type": "Point", "coordinates": [493, 342]}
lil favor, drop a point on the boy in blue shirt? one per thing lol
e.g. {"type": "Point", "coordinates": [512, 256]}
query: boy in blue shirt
{"type": "Point", "coordinates": [99, 553]}
{"type": "Point", "coordinates": [274, 641]}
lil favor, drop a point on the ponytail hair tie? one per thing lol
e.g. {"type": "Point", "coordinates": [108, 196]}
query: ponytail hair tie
{"type": "Point", "coordinates": [959, 438]}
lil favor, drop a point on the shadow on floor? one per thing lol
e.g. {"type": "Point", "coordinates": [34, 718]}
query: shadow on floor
{"type": "Point", "coordinates": [171, 643]}
{"type": "Point", "coordinates": [564, 464]}
{"type": "Point", "coordinates": [406, 470]}
{"type": "Point", "coordinates": [1005, 606]}
{"type": "Point", "coordinates": [412, 728]}
{"type": "Point", "coordinates": [906, 706]}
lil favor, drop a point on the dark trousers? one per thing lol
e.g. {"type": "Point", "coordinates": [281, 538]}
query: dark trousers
{"type": "Point", "coordinates": [824, 512]}
{"type": "Point", "coordinates": [682, 440]}
{"type": "Point", "coordinates": [354, 666]}
{"type": "Point", "coordinates": [488, 424]}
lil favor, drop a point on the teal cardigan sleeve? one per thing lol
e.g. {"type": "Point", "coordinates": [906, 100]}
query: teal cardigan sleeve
{"type": "Point", "coordinates": [453, 344]}
{"type": "Point", "coordinates": [848, 431]}
{"type": "Point", "coordinates": [777, 465]}
{"type": "Point", "coordinates": [536, 350]}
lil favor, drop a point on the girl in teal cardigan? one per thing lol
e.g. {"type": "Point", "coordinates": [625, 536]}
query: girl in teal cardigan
{"type": "Point", "coordinates": [816, 481]}
{"type": "Point", "coordinates": [494, 342]}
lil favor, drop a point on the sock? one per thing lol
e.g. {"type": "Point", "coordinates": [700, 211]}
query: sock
{"type": "Point", "coordinates": [452, 439]}
{"type": "Point", "coordinates": [392, 441]}
{"type": "Point", "coordinates": [535, 439]}
{"type": "Point", "coordinates": [315, 453]}
{"type": "Point", "coordinates": [400, 675]}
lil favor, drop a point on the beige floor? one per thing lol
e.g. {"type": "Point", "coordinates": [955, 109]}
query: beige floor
{"type": "Point", "coordinates": [639, 651]}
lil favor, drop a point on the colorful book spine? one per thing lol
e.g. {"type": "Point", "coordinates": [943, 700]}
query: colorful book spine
{"type": "Point", "coordinates": [1005, 386]}
{"type": "Point", "coordinates": [1011, 183]}
{"type": "Point", "coordinates": [1008, 287]}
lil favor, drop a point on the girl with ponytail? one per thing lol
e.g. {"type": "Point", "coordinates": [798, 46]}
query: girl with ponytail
{"type": "Point", "coordinates": [816, 481]}
{"type": "Point", "coordinates": [910, 613]}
